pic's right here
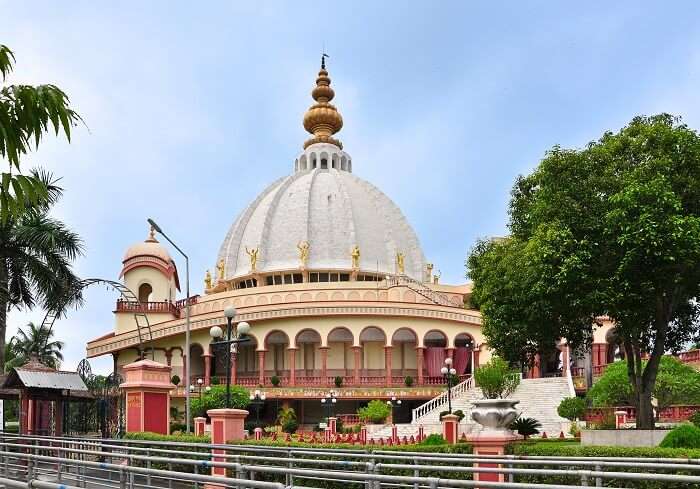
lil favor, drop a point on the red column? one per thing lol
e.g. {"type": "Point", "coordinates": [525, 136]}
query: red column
{"type": "Point", "coordinates": [168, 357]}
{"type": "Point", "coordinates": [357, 351]}
{"type": "Point", "coordinates": [261, 367]}
{"type": "Point", "coordinates": [476, 359]}
{"type": "Point", "coordinates": [207, 369]}
{"type": "Point", "coordinates": [58, 413]}
{"type": "Point", "coordinates": [185, 380]}
{"type": "Point", "coordinates": [599, 354]}
{"type": "Point", "coordinates": [234, 367]}
{"type": "Point", "coordinates": [23, 414]}
{"type": "Point", "coordinates": [419, 363]}
{"type": "Point", "coordinates": [564, 360]}
{"type": "Point", "coordinates": [324, 365]}
{"type": "Point", "coordinates": [387, 364]}
{"type": "Point", "coordinates": [292, 367]}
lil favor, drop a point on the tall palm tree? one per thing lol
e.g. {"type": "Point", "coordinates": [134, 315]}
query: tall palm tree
{"type": "Point", "coordinates": [26, 113]}
{"type": "Point", "coordinates": [35, 341]}
{"type": "Point", "coordinates": [36, 252]}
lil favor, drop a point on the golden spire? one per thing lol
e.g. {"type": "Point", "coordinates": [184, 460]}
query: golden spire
{"type": "Point", "coordinates": [322, 119]}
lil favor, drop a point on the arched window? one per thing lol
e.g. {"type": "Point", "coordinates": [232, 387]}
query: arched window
{"type": "Point", "coordinates": [145, 291]}
{"type": "Point", "coordinates": [324, 163]}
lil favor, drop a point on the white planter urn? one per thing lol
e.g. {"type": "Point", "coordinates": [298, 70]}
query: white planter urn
{"type": "Point", "coordinates": [495, 414]}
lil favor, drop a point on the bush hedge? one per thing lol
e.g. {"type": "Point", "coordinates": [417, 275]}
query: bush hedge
{"type": "Point", "coordinates": [147, 436]}
{"type": "Point", "coordinates": [683, 436]}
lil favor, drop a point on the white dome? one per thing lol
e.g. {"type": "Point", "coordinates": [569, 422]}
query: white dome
{"type": "Point", "coordinates": [333, 211]}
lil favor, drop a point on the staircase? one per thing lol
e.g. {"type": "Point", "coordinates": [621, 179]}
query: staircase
{"type": "Point", "coordinates": [539, 399]}
{"type": "Point", "coordinates": [423, 290]}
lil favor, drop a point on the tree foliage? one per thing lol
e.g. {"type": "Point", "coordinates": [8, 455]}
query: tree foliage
{"type": "Point", "coordinates": [676, 383]}
{"type": "Point", "coordinates": [572, 408]}
{"type": "Point", "coordinates": [35, 341]}
{"type": "Point", "coordinates": [36, 255]}
{"type": "Point", "coordinates": [26, 114]}
{"type": "Point", "coordinates": [496, 379]}
{"type": "Point", "coordinates": [376, 411]}
{"type": "Point", "coordinates": [609, 230]}
{"type": "Point", "coordinates": [215, 398]}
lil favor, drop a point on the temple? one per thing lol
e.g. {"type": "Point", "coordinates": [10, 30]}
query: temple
{"type": "Point", "coordinates": [332, 278]}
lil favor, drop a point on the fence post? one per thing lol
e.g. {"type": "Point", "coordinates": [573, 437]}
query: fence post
{"type": "Point", "coordinates": [290, 477]}
{"type": "Point", "coordinates": [122, 478]}
{"type": "Point", "coordinates": [584, 478]}
{"type": "Point", "coordinates": [598, 480]}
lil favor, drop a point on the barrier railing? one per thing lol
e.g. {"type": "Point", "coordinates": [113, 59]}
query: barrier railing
{"type": "Point", "coordinates": [128, 464]}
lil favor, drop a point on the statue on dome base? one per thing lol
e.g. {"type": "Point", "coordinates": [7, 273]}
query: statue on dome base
{"type": "Point", "coordinates": [436, 277]}
{"type": "Point", "coordinates": [221, 268]}
{"type": "Point", "coordinates": [303, 247]}
{"type": "Point", "coordinates": [355, 255]}
{"type": "Point", "coordinates": [429, 271]}
{"type": "Point", "coordinates": [253, 255]}
{"type": "Point", "coordinates": [207, 280]}
{"type": "Point", "coordinates": [400, 262]}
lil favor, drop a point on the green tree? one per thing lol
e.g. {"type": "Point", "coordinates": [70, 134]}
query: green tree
{"type": "Point", "coordinates": [36, 252]}
{"type": "Point", "coordinates": [35, 341]}
{"type": "Point", "coordinates": [609, 230]}
{"type": "Point", "coordinates": [573, 408]}
{"type": "Point", "coordinates": [26, 114]}
{"type": "Point", "coordinates": [676, 383]}
{"type": "Point", "coordinates": [496, 379]}
{"type": "Point", "coordinates": [215, 398]}
{"type": "Point", "coordinates": [376, 411]}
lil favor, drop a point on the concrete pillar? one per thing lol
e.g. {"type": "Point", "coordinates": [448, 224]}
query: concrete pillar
{"type": "Point", "coordinates": [357, 352]}
{"type": "Point", "coordinates": [207, 369]}
{"type": "Point", "coordinates": [450, 428]}
{"type": "Point", "coordinates": [226, 425]}
{"type": "Point", "coordinates": [261, 367]}
{"type": "Point", "coordinates": [324, 365]}
{"type": "Point", "coordinates": [147, 387]}
{"type": "Point", "coordinates": [490, 443]}
{"type": "Point", "coordinates": [292, 367]}
{"type": "Point", "coordinates": [387, 364]}
{"type": "Point", "coordinates": [200, 424]}
{"type": "Point", "coordinates": [419, 363]}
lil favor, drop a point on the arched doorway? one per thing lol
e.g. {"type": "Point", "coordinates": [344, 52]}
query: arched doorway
{"type": "Point", "coordinates": [276, 360]}
{"type": "Point", "coordinates": [340, 354]}
{"type": "Point", "coordinates": [403, 353]}
{"type": "Point", "coordinates": [372, 341]}
{"type": "Point", "coordinates": [435, 343]}
{"type": "Point", "coordinates": [308, 359]}
{"type": "Point", "coordinates": [145, 291]}
{"type": "Point", "coordinates": [197, 364]}
{"type": "Point", "coordinates": [464, 354]}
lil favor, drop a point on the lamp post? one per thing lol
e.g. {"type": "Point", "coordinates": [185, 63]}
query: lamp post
{"type": "Point", "coordinates": [328, 402]}
{"type": "Point", "coordinates": [234, 334]}
{"type": "Point", "coordinates": [199, 387]}
{"type": "Point", "coordinates": [448, 372]}
{"type": "Point", "coordinates": [158, 229]}
{"type": "Point", "coordinates": [393, 403]}
{"type": "Point", "coordinates": [257, 400]}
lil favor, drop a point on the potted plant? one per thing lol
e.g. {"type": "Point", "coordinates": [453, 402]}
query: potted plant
{"type": "Point", "coordinates": [497, 381]}
{"type": "Point", "coordinates": [338, 381]}
{"type": "Point", "coordinates": [408, 381]}
{"type": "Point", "coordinates": [175, 379]}
{"type": "Point", "coordinates": [275, 381]}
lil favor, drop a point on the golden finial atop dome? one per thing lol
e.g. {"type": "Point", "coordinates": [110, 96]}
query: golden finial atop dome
{"type": "Point", "coordinates": [322, 119]}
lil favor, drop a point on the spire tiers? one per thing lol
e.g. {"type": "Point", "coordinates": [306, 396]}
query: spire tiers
{"type": "Point", "coordinates": [322, 119]}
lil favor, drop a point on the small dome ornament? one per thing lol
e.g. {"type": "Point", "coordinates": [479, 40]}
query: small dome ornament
{"type": "Point", "coordinates": [322, 119]}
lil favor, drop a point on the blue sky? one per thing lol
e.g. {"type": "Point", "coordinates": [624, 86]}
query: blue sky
{"type": "Point", "coordinates": [193, 108]}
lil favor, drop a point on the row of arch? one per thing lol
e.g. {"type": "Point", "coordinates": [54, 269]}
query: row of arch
{"type": "Point", "coordinates": [431, 339]}
{"type": "Point", "coordinates": [323, 161]}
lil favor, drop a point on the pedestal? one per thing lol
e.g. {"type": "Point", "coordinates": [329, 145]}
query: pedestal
{"type": "Point", "coordinates": [450, 431]}
{"type": "Point", "coordinates": [200, 426]}
{"type": "Point", "coordinates": [333, 424]}
{"type": "Point", "coordinates": [226, 425]}
{"type": "Point", "coordinates": [620, 419]}
{"type": "Point", "coordinates": [258, 433]}
{"type": "Point", "coordinates": [394, 434]}
{"type": "Point", "coordinates": [147, 388]}
{"type": "Point", "coordinates": [490, 443]}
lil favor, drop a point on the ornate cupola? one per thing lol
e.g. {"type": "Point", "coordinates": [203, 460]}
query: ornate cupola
{"type": "Point", "coordinates": [322, 119]}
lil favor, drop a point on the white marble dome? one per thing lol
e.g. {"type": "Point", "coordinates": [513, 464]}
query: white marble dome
{"type": "Point", "coordinates": [331, 209]}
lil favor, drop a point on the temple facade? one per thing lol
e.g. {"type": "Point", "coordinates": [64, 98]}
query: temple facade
{"type": "Point", "coordinates": [334, 283]}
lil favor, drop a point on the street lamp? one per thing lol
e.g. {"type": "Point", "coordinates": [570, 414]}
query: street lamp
{"type": "Point", "coordinates": [257, 400]}
{"type": "Point", "coordinates": [328, 402]}
{"type": "Point", "coordinates": [234, 334]}
{"type": "Point", "coordinates": [199, 387]}
{"type": "Point", "coordinates": [158, 229]}
{"type": "Point", "coordinates": [448, 372]}
{"type": "Point", "coordinates": [393, 403]}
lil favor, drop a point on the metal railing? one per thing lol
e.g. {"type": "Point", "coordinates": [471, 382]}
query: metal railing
{"type": "Point", "coordinates": [128, 464]}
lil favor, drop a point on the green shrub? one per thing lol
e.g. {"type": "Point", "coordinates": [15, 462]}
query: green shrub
{"type": "Point", "coordinates": [215, 398]}
{"type": "Point", "coordinates": [683, 436]}
{"type": "Point", "coordinates": [275, 381]}
{"type": "Point", "coordinates": [148, 436]}
{"type": "Point", "coordinates": [433, 439]}
{"type": "Point", "coordinates": [526, 426]}
{"type": "Point", "coordinates": [458, 413]}
{"type": "Point", "coordinates": [496, 379]}
{"type": "Point", "coordinates": [287, 419]}
{"type": "Point", "coordinates": [175, 379]}
{"type": "Point", "coordinates": [215, 381]}
{"type": "Point", "coordinates": [338, 381]}
{"type": "Point", "coordinates": [572, 408]}
{"type": "Point", "coordinates": [695, 418]}
{"type": "Point", "coordinates": [375, 412]}
{"type": "Point", "coordinates": [607, 423]}
{"type": "Point", "coordinates": [408, 381]}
